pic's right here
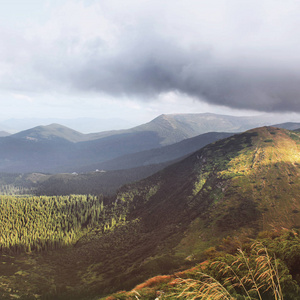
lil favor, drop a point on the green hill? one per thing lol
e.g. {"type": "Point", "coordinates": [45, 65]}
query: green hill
{"type": "Point", "coordinates": [237, 186]}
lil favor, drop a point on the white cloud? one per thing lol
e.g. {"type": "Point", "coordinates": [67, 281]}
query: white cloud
{"type": "Point", "coordinates": [23, 97]}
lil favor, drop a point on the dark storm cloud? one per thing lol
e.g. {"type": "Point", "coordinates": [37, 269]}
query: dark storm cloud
{"type": "Point", "coordinates": [225, 52]}
{"type": "Point", "coordinates": [145, 72]}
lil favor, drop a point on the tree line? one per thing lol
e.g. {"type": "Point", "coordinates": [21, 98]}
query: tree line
{"type": "Point", "coordinates": [37, 223]}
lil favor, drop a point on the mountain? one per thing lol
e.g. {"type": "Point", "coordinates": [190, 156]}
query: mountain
{"type": "Point", "coordinates": [160, 155]}
{"type": "Point", "coordinates": [288, 125]}
{"type": "Point", "coordinates": [85, 125]}
{"type": "Point", "coordinates": [119, 171]}
{"type": "Point", "coordinates": [50, 132]}
{"type": "Point", "coordinates": [55, 148]}
{"type": "Point", "coordinates": [237, 186]}
{"type": "Point", "coordinates": [4, 133]}
{"type": "Point", "coordinates": [176, 127]}
{"type": "Point", "coordinates": [172, 128]}
{"type": "Point", "coordinates": [92, 179]}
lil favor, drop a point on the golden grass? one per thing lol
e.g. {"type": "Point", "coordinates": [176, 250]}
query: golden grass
{"type": "Point", "coordinates": [153, 281]}
{"type": "Point", "coordinates": [252, 275]}
{"type": "Point", "coordinates": [205, 288]}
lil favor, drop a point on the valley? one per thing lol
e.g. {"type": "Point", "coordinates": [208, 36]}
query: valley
{"type": "Point", "coordinates": [233, 187]}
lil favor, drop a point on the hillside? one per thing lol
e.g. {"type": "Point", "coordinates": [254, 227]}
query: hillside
{"type": "Point", "coordinates": [94, 183]}
{"type": "Point", "coordinates": [234, 187]}
{"type": "Point", "coordinates": [56, 148]}
{"type": "Point", "coordinates": [234, 269]}
{"type": "Point", "coordinates": [159, 155]}
{"type": "Point", "coordinates": [240, 185]}
{"type": "Point", "coordinates": [37, 151]}
{"type": "Point", "coordinates": [119, 171]}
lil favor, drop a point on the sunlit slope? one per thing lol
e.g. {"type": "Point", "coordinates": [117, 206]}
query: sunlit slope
{"type": "Point", "coordinates": [236, 186]}
{"type": "Point", "coordinates": [266, 174]}
{"type": "Point", "coordinates": [247, 182]}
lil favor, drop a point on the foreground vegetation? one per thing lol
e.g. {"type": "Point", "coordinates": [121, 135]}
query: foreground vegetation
{"type": "Point", "coordinates": [265, 269]}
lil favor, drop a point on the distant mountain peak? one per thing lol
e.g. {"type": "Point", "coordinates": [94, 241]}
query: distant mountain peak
{"type": "Point", "coordinates": [50, 132]}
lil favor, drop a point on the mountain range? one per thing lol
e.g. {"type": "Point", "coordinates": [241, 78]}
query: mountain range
{"type": "Point", "coordinates": [56, 148]}
{"type": "Point", "coordinates": [101, 123]}
{"type": "Point", "coordinates": [82, 124]}
{"type": "Point", "coordinates": [110, 175]}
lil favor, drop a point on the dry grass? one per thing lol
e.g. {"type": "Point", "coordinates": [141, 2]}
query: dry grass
{"type": "Point", "coordinates": [205, 288]}
{"type": "Point", "coordinates": [153, 281]}
{"type": "Point", "coordinates": [251, 275]}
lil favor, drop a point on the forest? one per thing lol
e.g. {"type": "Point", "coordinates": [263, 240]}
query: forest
{"type": "Point", "coordinates": [32, 223]}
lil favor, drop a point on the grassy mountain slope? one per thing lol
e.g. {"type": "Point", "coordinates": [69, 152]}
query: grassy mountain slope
{"type": "Point", "coordinates": [234, 187]}
{"type": "Point", "coordinates": [264, 268]}
{"type": "Point", "coordinates": [159, 155]}
{"type": "Point", "coordinates": [239, 185]}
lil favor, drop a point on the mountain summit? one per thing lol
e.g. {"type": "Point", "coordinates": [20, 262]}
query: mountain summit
{"type": "Point", "coordinates": [50, 132]}
{"type": "Point", "coordinates": [173, 128]}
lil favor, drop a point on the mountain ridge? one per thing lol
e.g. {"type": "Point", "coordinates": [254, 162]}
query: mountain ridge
{"type": "Point", "coordinates": [55, 148]}
{"type": "Point", "coordinates": [50, 132]}
{"type": "Point", "coordinates": [230, 187]}
{"type": "Point", "coordinates": [236, 186]}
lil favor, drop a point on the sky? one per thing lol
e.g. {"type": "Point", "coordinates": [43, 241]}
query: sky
{"type": "Point", "coordinates": [137, 59]}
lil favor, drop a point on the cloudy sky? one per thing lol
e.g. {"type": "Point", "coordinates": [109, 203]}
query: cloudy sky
{"type": "Point", "coordinates": [136, 59]}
